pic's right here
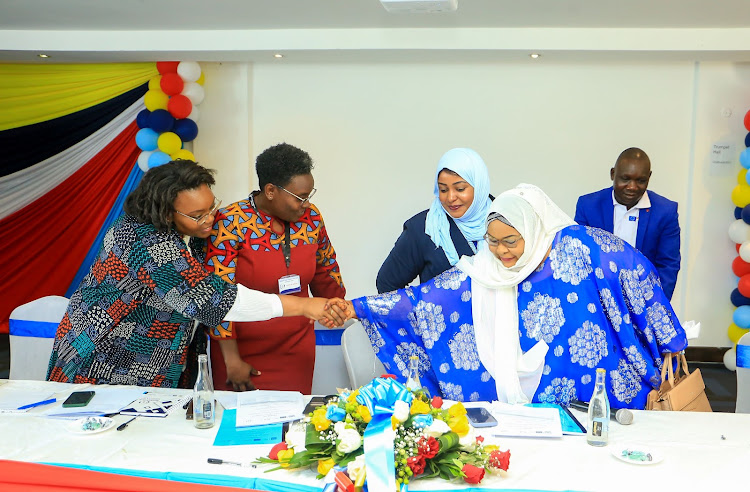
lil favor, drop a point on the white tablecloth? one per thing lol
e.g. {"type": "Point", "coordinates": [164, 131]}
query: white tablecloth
{"type": "Point", "coordinates": [702, 451]}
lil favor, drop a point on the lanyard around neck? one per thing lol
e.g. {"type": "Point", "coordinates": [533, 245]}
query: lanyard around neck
{"type": "Point", "coordinates": [287, 246]}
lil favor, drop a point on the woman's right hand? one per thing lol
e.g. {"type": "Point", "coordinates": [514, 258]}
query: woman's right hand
{"type": "Point", "coordinates": [338, 309]}
{"type": "Point", "coordinates": [239, 375]}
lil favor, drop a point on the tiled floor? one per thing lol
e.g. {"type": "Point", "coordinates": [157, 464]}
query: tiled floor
{"type": "Point", "coordinates": [721, 384]}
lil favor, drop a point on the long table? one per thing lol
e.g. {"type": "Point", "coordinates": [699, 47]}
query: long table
{"type": "Point", "coordinates": [701, 451]}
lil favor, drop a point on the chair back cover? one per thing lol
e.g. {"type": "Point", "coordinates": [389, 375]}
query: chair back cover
{"type": "Point", "coordinates": [743, 374]}
{"type": "Point", "coordinates": [362, 364]}
{"type": "Point", "coordinates": [32, 328]}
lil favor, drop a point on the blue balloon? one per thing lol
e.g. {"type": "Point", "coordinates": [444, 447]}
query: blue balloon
{"type": "Point", "coordinates": [157, 159]}
{"type": "Point", "coordinates": [161, 121]}
{"type": "Point", "coordinates": [186, 129]}
{"type": "Point", "coordinates": [747, 140]}
{"type": "Point", "coordinates": [142, 119]}
{"type": "Point", "coordinates": [745, 158]}
{"type": "Point", "coordinates": [741, 317]}
{"type": "Point", "coordinates": [738, 299]}
{"type": "Point", "coordinates": [146, 139]}
{"type": "Point", "coordinates": [738, 213]}
{"type": "Point", "coordinates": [746, 214]}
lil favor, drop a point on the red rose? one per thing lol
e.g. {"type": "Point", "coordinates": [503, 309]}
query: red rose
{"type": "Point", "coordinates": [500, 459]}
{"type": "Point", "coordinates": [472, 474]}
{"type": "Point", "coordinates": [416, 463]}
{"type": "Point", "coordinates": [428, 446]}
{"type": "Point", "coordinates": [480, 439]}
{"type": "Point", "coordinates": [437, 402]}
{"type": "Point", "coordinates": [274, 454]}
{"type": "Point", "coordinates": [386, 376]}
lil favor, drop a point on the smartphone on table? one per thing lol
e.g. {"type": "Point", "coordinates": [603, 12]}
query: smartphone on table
{"type": "Point", "coordinates": [317, 401]}
{"type": "Point", "coordinates": [78, 399]}
{"type": "Point", "coordinates": [480, 417]}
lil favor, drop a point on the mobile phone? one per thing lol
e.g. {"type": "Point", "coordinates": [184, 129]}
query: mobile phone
{"type": "Point", "coordinates": [78, 399]}
{"type": "Point", "coordinates": [315, 402]}
{"type": "Point", "coordinates": [480, 417]}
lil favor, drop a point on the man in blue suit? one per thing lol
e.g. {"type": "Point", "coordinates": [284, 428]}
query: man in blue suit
{"type": "Point", "coordinates": [645, 220]}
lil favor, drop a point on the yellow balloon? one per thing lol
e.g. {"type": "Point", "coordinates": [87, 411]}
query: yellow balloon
{"type": "Point", "coordinates": [169, 142]}
{"type": "Point", "coordinates": [202, 79]}
{"type": "Point", "coordinates": [183, 154]}
{"type": "Point", "coordinates": [735, 332]}
{"type": "Point", "coordinates": [155, 100]}
{"type": "Point", "coordinates": [741, 195]}
{"type": "Point", "coordinates": [741, 176]}
{"type": "Point", "coordinates": [155, 83]}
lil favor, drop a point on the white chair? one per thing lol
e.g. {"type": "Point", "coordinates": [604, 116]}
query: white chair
{"type": "Point", "coordinates": [32, 328]}
{"type": "Point", "coordinates": [362, 364]}
{"type": "Point", "coordinates": [743, 374]}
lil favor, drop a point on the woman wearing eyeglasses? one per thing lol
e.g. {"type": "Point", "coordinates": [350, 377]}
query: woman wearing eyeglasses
{"type": "Point", "coordinates": [274, 241]}
{"type": "Point", "coordinates": [133, 317]}
{"type": "Point", "coordinates": [433, 240]}
{"type": "Point", "coordinates": [531, 317]}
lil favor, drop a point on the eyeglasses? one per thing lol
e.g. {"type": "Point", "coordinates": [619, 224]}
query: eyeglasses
{"type": "Point", "coordinates": [304, 201]}
{"type": "Point", "coordinates": [203, 218]}
{"type": "Point", "coordinates": [508, 242]}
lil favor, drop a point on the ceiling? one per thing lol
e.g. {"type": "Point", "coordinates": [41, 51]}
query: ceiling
{"type": "Point", "coordinates": [349, 30]}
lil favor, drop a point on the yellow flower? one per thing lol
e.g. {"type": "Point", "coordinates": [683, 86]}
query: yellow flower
{"type": "Point", "coordinates": [491, 447]}
{"type": "Point", "coordinates": [459, 424]}
{"type": "Point", "coordinates": [320, 421]}
{"type": "Point", "coordinates": [364, 413]}
{"type": "Point", "coordinates": [419, 407]}
{"type": "Point", "coordinates": [324, 466]}
{"type": "Point", "coordinates": [457, 409]}
{"type": "Point", "coordinates": [284, 456]}
{"type": "Point", "coordinates": [394, 422]}
{"type": "Point", "coordinates": [353, 396]}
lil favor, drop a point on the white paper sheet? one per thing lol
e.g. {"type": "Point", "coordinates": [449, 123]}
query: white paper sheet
{"type": "Point", "coordinates": [523, 421]}
{"type": "Point", "coordinates": [268, 407]}
{"type": "Point", "coordinates": [106, 400]}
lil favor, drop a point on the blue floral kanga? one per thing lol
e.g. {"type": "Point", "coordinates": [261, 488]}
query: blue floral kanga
{"type": "Point", "coordinates": [595, 300]}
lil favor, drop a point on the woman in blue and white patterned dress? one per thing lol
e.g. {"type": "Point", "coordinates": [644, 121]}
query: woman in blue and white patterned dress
{"type": "Point", "coordinates": [533, 316]}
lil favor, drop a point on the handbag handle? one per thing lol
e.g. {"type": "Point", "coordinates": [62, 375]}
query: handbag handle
{"type": "Point", "coordinates": [681, 361]}
{"type": "Point", "coordinates": [667, 372]}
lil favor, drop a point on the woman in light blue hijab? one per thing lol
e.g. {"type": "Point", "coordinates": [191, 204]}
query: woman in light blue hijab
{"type": "Point", "coordinates": [435, 239]}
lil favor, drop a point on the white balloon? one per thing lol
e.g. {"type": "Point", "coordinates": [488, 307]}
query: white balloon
{"type": "Point", "coordinates": [730, 359]}
{"type": "Point", "coordinates": [739, 231]}
{"type": "Point", "coordinates": [194, 91]}
{"type": "Point", "coordinates": [189, 71]}
{"type": "Point", "coordinates": [143, 159]}
{"type": "Point", "coordinates": [195, 114]}
{"type": "Point", "coordinates": [745, 251]}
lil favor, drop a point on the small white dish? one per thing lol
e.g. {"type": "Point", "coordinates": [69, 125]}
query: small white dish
{"type": "Point", "coordinates": [637, 454]}
{"type": "Point", "coordinates": [91, 425]}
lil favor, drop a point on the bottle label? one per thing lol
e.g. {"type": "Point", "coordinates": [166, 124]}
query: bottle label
{"type": "Point", "coordinates": [207, 410]}
{"type": "Point", "coordinates": [596, 428]}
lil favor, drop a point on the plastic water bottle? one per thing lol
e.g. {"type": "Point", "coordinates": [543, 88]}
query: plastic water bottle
{"type": "Point", "coordinates": [204, 404]}
{"type": "Point", "coordinates": [597, 433]}
{"type": "Point", "coordinates": [412, 382]}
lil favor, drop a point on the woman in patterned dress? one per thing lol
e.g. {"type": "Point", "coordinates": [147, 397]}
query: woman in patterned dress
{"type": "Point", "coordinates": [133, 316]}
{"type": "Point", "coordinates": [274, 241]}
{"type": "Point", "coordinates": [532, 317]}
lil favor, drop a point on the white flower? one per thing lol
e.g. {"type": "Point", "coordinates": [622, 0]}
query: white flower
{"type": "Point", "coordinates": [469, 441]}
{"type": "Point", "coordinates": [339, 427]}
{"type": "Point", "coordinates": [401, 410]}
{"type": "Point", "coordinates": [437, 428]}
{"type": "Point", "coordinates": [350, 441]}
{"type": "Point", "coordinates": [295, 438]}
{"type": "Point", "coordinates": [356, 467]}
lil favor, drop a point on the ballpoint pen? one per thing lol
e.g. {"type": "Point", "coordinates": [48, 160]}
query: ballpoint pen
{"type": "Point", "coordinates": [124, 424]}
{"type": "Point", "coordinates": [217, 461]}
{"type": "Point", "coordinates": [37, 404]}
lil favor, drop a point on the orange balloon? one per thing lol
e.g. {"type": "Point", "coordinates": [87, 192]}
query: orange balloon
{"type": "Point", "coordinates": [740, 267]}
{"type": "Point", "coordinates": [744, 285]}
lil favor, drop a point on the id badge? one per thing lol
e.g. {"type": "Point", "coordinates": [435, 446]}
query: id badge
{"type": "Point", "coordinates": [289, 284]}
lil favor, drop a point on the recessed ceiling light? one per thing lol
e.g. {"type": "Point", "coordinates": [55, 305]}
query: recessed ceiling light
{"type": "Point", "coordinates": [535, 55]}
{"type": "Point", "coordinates": [278, 55]}
{"type": "Point", "coordinates": [42, 55]}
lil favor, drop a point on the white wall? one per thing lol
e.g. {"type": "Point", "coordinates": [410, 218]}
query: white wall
{"type": "Point", "coordinates": [376, 132]}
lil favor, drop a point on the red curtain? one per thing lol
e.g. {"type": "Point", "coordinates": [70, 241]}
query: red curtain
{"type": "Point", "coordinates": [32, 477]}
{"type": "Point", "coordinates": [45, 243]}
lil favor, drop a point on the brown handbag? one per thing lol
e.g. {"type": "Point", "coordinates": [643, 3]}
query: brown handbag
{"type": "Point", "coordinates": [679, 392]}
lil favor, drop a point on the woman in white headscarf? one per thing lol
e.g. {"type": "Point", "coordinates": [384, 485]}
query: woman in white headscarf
{"type": "Point", "coordinates": [531, 317]}
{"type": "Point", "coordinates": [433, 240]}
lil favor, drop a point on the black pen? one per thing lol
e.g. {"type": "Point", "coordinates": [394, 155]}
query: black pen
{"type": "Point", "coordinates": [124, 424]}
{"type": "Point", "coordinates": [217, 461]}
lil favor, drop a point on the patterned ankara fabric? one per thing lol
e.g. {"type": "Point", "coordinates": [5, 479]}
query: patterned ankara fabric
{"type": "Point", "coordinates": [244, 249]}
{"type": "Point", "coordinates": [131, 319]}
{"type": "Point", "coordinates": [595, 300]}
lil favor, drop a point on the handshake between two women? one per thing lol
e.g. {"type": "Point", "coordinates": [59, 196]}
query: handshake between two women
{"type": "Point", "coordinates": [335, 312]}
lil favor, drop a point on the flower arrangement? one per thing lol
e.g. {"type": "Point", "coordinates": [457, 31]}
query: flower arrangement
{"type": "Point", "coordinates": [406, 435]}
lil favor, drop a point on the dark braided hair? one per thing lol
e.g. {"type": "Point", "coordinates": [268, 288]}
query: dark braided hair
{"type": "Point", "coordinates": [152, 202]}
{"type": "Point", "coordinates": [279, 164]}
